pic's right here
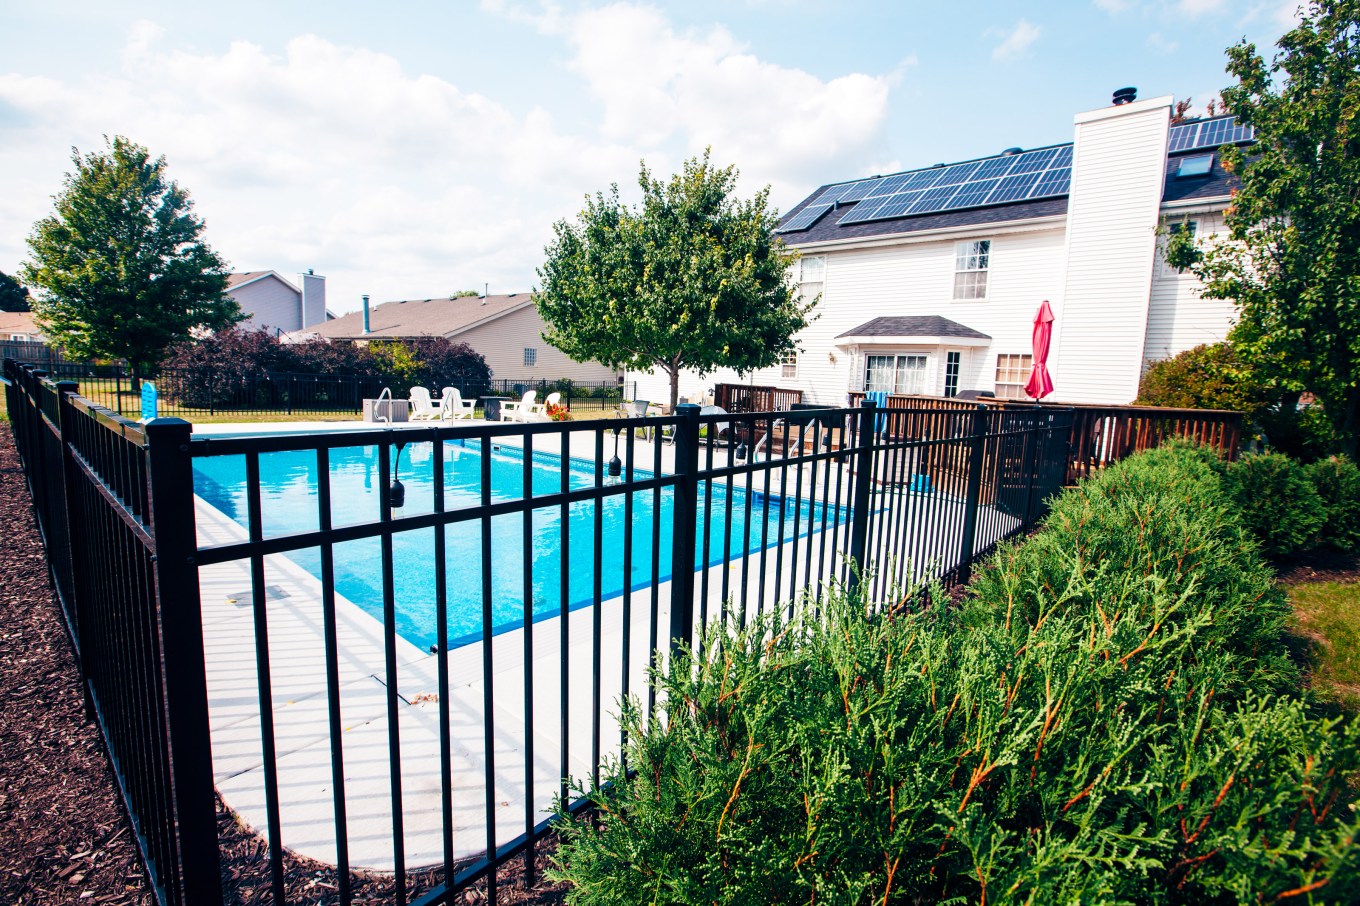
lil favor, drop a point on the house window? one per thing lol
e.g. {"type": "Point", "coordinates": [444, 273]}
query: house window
{"type": "Point", "coordinates": [970, 269]}
{"type": "Point", "coordinates": [899, 374]}
{"type": "Point", "coordinates": [1012, 373]}
{"type": "Point", "coordinates": [788, 366]}
{"type": "Point", "coordinates": [812, 269]}
{"type": "Point", "coordinates": [530, 357]}
{"type": "Point", "coordinates": [1172, 229]}
{"type": "Point", "coordinates": [952, 361]}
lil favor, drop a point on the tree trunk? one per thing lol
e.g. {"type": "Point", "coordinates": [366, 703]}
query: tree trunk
{"type": "Point", "coordinates": [1350, 426]}
{"type": "Point", "coordinates": [675, 387]}
{"type": "Point", "coordinates": [136, 382]}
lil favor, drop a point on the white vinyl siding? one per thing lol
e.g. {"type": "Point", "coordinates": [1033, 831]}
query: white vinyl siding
{"type": "Point", "coordinates": [1178, 318]}
{"type": "Point", "coordinates": [271, 304]}
{"type": "Point", "coordinates": [503, 341]}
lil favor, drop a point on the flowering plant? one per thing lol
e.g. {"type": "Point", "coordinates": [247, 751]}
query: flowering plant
{"type": "Point", "coordinates": [558, 412]}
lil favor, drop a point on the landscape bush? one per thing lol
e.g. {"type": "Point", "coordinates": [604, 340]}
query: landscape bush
{"type": "Point", "coordinates": [1337, 482]}
{"type": "Point", "coordinates": [1108, 717]}
{"type": "Point", "coordinates": [1277, 502]}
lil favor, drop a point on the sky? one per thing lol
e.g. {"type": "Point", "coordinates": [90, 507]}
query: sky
{"type": "Point", "coordinates": [428, 147]}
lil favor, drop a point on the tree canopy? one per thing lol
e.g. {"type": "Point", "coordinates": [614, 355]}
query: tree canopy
{"type": "Point", "coordinates": [13, 294]}
{"type": "Point", "coordinates": [120, 267]}
{"type": "Point", "coordinates": [692, 278]}
{"type": "Point", "coordinates": [1291, 258]}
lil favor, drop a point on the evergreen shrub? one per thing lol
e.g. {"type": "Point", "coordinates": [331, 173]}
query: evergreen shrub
{"type": "Point", "coordinates": [1277, 502]}
{"type": "Point", "coordinates": [1337, 482]}
{"type": "Point", "coordinates": [1108, 718]}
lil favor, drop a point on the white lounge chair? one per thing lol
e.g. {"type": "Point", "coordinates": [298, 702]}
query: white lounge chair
{"type": "Point", "coordinates": [422, 407]}
{"type": "Point", "coordinates": [453, 406]}
{"type": "Point", "coordinates": [540, 410]}
{"type": "Point", "coordinates": [518, 412]}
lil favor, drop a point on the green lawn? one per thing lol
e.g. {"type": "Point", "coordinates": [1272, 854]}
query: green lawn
{"type": "Point", "coordinates": [1327, 615]}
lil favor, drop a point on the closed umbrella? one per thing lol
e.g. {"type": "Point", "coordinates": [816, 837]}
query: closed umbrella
{"type": "Point", "coordinates": [1040, 384]}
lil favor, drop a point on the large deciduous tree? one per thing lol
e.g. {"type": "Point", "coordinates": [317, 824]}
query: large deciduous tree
{"type": "Point", "coordinates": [692, 278]}
{"type": "Point", "coordinates": [120, 266]}
{"type": "Point", "coordinates": [1291, 258]}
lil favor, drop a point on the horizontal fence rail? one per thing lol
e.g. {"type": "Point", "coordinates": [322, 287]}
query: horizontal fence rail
{"type": "Point", "coordinates": [409, 638]}
{"type": "Point", "coordinates": [1102, 435]}
{"type": "Point", "coordinates": [192, 393]}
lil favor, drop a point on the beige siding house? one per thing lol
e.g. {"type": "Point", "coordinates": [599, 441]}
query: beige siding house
{"type": "Point", "coordinates": [19, 326]}
{"type": "Point", "coordinates": [930, 279]}
{"type": "Point", "coordinates": [505, 329]}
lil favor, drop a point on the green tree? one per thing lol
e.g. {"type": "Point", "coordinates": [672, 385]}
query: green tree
{"type": "Point", "coordinates": [120, 266]}
{"type": "Point", "coordinates": [1291, 258]}
{"type": "Point", "coordinates": [692, 278]}
{"type": "Point", "coordinates": [13, 294]}
{"type": "Point", "coordinates": [1208, 376]}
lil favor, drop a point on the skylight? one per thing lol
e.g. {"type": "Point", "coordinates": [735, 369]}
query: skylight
{"type": "Point", "coordinates": [1196, 165]}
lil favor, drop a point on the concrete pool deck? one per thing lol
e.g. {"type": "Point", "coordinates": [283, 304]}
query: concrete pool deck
{"type": "Point", "coordinates": [300, 702]}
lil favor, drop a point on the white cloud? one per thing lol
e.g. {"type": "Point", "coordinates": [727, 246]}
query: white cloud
{"type": "Point", "coordinates": [402, 184]}
{"type": "Point", "coordinates": [1016, 41]}
{"type": "Point", "coordinates": [1160, 44]}
{"type": "Point", "coordinates": [1114, 6]}
{"type": "Point", "coordinates": [1202, 7]}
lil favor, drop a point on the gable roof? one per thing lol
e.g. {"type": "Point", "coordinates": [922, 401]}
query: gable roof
{"type": "Point", "coordinates": [422, 317]}
{"type": "Point", "coordinates": [829, 227]}
{"type": "Point", "coordinates": [240, 279]}
{"type": "Point", "coordinates": [19, 322]}
{"type": "Point", "coordinates": [914, 326]}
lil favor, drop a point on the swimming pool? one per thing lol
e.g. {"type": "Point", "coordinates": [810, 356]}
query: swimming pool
{"type": "Point", "coordinates": [289, 504]}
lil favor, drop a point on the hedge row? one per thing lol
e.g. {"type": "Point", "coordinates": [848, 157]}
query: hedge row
{"type": "Point", "coordinates": [1291, 507]}
{"type": "Point", "coordinates": [1110, 717]}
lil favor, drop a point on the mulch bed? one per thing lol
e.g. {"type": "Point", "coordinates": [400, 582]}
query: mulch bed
{"type": "Point", "coordinates": [1319, 566]}
{"type": "Point", "coordinates": [64, 837]}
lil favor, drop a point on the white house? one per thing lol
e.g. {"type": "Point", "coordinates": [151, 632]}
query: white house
{"type": "Point", "coordinates": [276, 305]}
{"type": "Point", "coordinates": [930, 279]}
{"type": "Point", "coordinates": [506, 329]}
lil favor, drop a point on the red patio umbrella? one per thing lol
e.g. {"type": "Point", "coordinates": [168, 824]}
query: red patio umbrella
{"type": "Point", "coordinates": [1040, 384]}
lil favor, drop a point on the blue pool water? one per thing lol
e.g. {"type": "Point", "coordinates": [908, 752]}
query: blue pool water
{"type": "Point", "coordinates": [289, 504]}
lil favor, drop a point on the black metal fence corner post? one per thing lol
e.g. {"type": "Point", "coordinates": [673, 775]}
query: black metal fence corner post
{"type": "Point", "coordinates": [864, 480]}
{"type": "Point", "coordinates": [685, 514]}
{"type": "Point", "coordinates": [977, 452]}
{"type": "Point", "coordinates": [180, 617]}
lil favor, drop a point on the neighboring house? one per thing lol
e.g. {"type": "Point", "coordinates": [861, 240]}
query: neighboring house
{"type": "Point", "coordinates": [506, 330]}
{"type": "Point", "coordinates": [19, 326]}
{"type": "Point", "coordinates": [276, 305]}
{"type": "Point", "coordinates": [930, 279]}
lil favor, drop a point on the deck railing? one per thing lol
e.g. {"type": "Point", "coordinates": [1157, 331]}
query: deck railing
{"type": "Point", "coordinates": [274, 582]}
{"type": "Point", "coordinates": [1102, 435]}
{"type": "Point", "coordinates": [749, 398]}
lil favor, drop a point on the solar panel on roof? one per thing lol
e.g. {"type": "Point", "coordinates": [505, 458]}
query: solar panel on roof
{"type": "Point", "coordinates": [833, 193]}
{"type": "Point", "coordinates": [923, 179]}
{"type": "Point", "coordinates": [1013, 188]}
{"type": "Point", "coordinates": [1208, 134]}
{"type": "Point", "coordinates": [933, 199]}
{"type": "Point", "coordinates": [897, 205]}
{"type": "Point", "coordinates": [859, 190]}
{"type": "Point", "coordinates": [973, 193]}
{"type": "Point", "coordinates": [805, 218]}
{"type": "Point", "coordinates": [863, 211]}
{"type": "Point", "coordinates": [1031, 161]}
{"type": "Point", "coordinates": [957, 174]}
{"type": "Point", "coordinates": [1063, 157]}
{"type": "Point", "coordinates": [1182, 138]}
{"type": "Point", "coordinates": [1053, 182]}
{"type": "Point", "coordinates": [890, 185]}
{"type": "Point", "coordinates": [994, 168]}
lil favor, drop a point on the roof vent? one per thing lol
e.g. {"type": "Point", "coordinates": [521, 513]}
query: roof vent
{"type": "Point", "coordinates": [1011, 152]}
{"type": "Point", "coordinates": [936, 166]}
{"type": "Point", "coordinates": [1125, 96]}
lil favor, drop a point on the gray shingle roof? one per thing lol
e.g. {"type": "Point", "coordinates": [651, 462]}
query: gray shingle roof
{"type": "Point", "coordinates": [1217, 183]}
{"type": "Point", "coordinates": [914, 326]}
{"type": "Point", "coordinates": [828, 229]}
{"type": "Point", "coordinates": [421, 317]}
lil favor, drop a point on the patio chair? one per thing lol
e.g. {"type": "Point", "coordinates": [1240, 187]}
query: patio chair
{"type": "Point", "coordinates": [422, 407]}
{"type": "Point", "coordinates": [540, 410]}
{"type": "Point", "coordinates": [518, 412]}
{"type": "Point", "coordinates": [453, 406]}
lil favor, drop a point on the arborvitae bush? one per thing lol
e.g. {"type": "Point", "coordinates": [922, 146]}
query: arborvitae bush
{"type": "Point", "coordinates": [1277, 502]}
{"type": "Point", "coordinates": [1109, 718]}
{"type": "Point", "coordinates": [1337, 482]}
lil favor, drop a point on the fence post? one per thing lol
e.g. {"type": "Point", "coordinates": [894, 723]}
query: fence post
{"type": "Point", "coordinates": [685, 513]}
{"type": "Point", "coordinates": [864, 479]}
{"type": "Point", "coordinates": [179, 613]}
{"type": "Point", "coordinates": [977, 451]}
{"type": "Point", "coordinates": [74, 538]}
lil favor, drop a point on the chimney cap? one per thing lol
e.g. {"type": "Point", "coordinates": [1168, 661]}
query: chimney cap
{"type": "Point", "coordinates": [1125, 95]}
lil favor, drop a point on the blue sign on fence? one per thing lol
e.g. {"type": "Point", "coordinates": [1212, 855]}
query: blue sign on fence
{"type": "Point", "coordinates": [150, 400]}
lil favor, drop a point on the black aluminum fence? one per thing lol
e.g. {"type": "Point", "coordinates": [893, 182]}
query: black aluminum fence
{"type": "Point", "coordinates": [194, 393]}
{"type": "Point", "coordinates": [407, 638]}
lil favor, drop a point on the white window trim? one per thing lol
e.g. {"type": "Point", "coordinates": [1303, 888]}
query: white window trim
{"type": "Point", "coordinates": [963, 251]}
{"type": "Point", "coordinates": [789, 361]}
{"type": "Point", "coordinates": [997, 383]}
{"type": "Point", "coordinates": [929, 370]}
{"type": "Point", "coordinates": [530, 356]}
